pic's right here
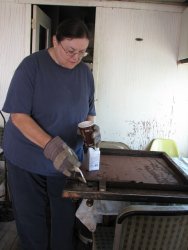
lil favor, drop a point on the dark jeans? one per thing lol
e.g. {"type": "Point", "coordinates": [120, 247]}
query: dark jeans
{"type": "Point", "coordinates": [33, 196]}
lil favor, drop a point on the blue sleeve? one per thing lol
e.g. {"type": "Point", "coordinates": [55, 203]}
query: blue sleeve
{"type": "Point", "coordinates": [21, 89]}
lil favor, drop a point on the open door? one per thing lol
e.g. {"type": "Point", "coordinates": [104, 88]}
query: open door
{"type": "Point", "coordinates": [41, 30]}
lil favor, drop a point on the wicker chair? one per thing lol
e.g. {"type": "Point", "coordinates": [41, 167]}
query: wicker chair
{"type": "Point", "coordinates": [145, 227]}
{"type": "Point", "coordinates": [2, 159]}
{"type": "Point", "coordinates": [6, 212]}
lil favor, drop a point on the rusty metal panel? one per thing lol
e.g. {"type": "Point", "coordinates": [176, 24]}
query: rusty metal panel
{"type": "Point", "coordinates": [132, 175]}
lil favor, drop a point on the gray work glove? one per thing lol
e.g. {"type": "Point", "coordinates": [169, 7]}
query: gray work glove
{"type": "Point", "coordinates": [96, 135]}
{"type": "Point", "coordinates": [63, 157]}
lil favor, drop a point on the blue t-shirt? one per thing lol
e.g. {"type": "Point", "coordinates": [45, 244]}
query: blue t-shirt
{"type": "Point", "coordinates": [57, 98]}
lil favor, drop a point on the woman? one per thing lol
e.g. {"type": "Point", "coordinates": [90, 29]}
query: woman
{"type": "Point", "coordinates": [50, 93]}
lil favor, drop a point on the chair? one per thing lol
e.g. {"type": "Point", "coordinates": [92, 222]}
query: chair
{"type": "Point", "coordinates": [145, 227]}
{"type": "Point", "coordinates": [165, 145]}
{"type": "Point", "coordinates": [2, 172]}
{"type": "Point", "coordinates": [6, 212]}
{"type": "Point", "coordinates": [113, 144]}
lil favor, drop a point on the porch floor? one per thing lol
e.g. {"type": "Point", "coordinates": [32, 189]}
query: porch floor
{"type": "Point", "coordinates": [9, 239]}
{"type": "Point", "coordinates": [8, 236]}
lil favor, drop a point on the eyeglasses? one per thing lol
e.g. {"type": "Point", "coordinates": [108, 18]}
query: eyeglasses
{"type": "Point", "coordinates": [71, 53]}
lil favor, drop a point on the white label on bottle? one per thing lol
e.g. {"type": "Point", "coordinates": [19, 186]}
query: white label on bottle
{"type": "Point", "coordinates": [93, 159]}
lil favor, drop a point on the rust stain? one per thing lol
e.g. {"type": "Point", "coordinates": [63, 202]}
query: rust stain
{"type": "Point", "coordinates": [141, 133]}
{"type": "Point", "coordinates": [138, 169]}
{"type": "Point", "coordinates": [71, 195]}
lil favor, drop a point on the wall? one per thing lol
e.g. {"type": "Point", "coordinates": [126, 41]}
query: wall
{"type": "Point", "coordinates": [15, 22]}
{"type": "Point", "coordinates": [139, 93]}
{"type": "Point", "coordinates": [140, 89]}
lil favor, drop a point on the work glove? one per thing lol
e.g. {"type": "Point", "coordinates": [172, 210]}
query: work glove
{"type": "Point", "coordinates": [96, 135]}
{"type": "Point", "coordinates": [63, 157]}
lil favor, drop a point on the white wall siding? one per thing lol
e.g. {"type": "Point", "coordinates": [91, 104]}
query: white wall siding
{"type": "Point", "coordinates": [141, 92]}
{"type": "Point", "coordinates": [136, 82]}
{"type": "Point", "coordinates": [15, 27]}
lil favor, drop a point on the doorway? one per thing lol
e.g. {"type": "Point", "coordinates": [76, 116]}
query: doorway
{"type": "Point", "coordinates": [59, 13]}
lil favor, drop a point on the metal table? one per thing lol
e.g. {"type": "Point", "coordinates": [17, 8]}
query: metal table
{"type": "Point", "coordinates": [132, 175]}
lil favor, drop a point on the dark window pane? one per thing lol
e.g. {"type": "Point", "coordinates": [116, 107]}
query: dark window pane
{"type": "Point", "coordinates": [42, 38]}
